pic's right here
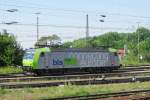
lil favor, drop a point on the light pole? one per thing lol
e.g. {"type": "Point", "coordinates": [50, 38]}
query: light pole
{"type": "Point", "coordinates": [37, 25]}
{"type": "Point", "coordinates": [102, 18]}
{"type": "Point", "coordinates": [12, 10]}
{"type": "Point", "coordinates": [12, 22]}
{"type": "Point", "coordinates": [102, 21]}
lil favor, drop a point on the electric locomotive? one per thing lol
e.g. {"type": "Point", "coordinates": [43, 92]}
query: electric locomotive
{"type": "Point", "coordinates": [60, 61]}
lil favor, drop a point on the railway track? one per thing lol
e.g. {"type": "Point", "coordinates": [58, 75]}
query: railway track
{"type": "Point", "coordinates": [106, 95]}
{"type": "Point", "coordinates": [141, 74]}
{"type": "Point", "coordinates": [74, 82]}
{"type": "Point", "coordinates": [121, 70]}
{"type": "Point", "coordinates": [12, 75]}
{"type": "Point", "coordinates": [69, 77]}
{"type": "Point", "coordinates": [127, 69]}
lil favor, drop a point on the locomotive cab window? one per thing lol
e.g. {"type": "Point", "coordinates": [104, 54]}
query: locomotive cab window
{"type": "Point", "coordinates": [29, 54]}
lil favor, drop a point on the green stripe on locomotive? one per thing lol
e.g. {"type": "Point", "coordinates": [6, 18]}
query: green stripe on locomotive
{"type": "Point", "coordinates": [70, 61]}
{"type": "Point", "coordinates": [33, 62]}
{"type": "Point", "coordinates": [112, 50]}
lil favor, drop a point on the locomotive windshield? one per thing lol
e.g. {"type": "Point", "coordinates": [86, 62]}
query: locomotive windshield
{"type": "Point", "coordinates": [29, 54]}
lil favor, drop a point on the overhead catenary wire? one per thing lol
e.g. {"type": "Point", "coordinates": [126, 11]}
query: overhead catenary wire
{"type": "Point", "coordinates": [72, 16]}
{"type": "Point", "coordinates": [64, 10]}
{"type": "Point", "coordinates": [58, 15]}
{"type": "Point", "coordinates": [69, 26]}
{"type": "Point", "coordinates": [82, 11]}
{"type": "Point", "coordinates": [76, 11]}
{"type": "Point", "coordinates": [23, 9]}
{"type": "Point", "coordinates": [79, 11]}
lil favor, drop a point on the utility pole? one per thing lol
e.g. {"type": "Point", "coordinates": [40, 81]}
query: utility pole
{"type": "Point", "coordinates": [138, 43]}
{"type": "Point", "coordinates": [87, 31]}
{"type": "Point", "coordinates": [37, 24]}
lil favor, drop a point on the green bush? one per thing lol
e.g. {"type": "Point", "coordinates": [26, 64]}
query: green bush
{"type": "Point", "coordinates": [10, 51]}
{"type": "Point", "coordinates": [10, 69]}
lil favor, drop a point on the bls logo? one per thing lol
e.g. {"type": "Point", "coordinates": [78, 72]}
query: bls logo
{"type": "Point", "coordinates": [57, 62]}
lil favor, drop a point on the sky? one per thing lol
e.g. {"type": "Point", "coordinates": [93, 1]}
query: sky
{"type": "Point", "coordinates": [67, 18]}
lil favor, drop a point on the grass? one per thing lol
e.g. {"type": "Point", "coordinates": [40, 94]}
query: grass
{"type": "Point", "coordinates": [10, 69]}
{"type": "Point", "coordinates": [70, 90]}
{"type": "Point", "coordinates": [133, 60]}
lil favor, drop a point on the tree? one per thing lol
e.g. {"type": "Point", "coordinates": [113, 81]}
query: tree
{"type": "Point", "coordinates": [10, 51]}
{"type": "Point", "coordinates": [144, 33]}
{"type": "Point", "coordinates": [53, 40]}
{"type": "Point", "coordinates": [67, 45]}
{"type": "Point", "coordinates": [118, 40]}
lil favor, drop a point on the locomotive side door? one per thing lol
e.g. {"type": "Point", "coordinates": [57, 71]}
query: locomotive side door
{"type": "Point", "coordinates": [43, 63]}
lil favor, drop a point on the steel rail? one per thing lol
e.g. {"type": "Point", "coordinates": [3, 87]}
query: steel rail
{"type": "Point", "coordinates": [123, 69]}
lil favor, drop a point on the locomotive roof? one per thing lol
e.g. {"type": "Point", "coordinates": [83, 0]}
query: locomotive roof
{"type": "Point", "coordinates": [80, 50]}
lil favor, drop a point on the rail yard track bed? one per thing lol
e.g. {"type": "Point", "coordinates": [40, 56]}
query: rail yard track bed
{"type": "Point", "coordinates": [12, 75]}
{"type": "Point", "coordinates": [121, 69]}
{"type": "Point", "coordinates": [47, 83]}
{"type": "Point", "coordinates": [67, 77]}
{"type": "Point", "coordinates": [137, 66]}
{"type": "Point", "coordinates": [83, 79]}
